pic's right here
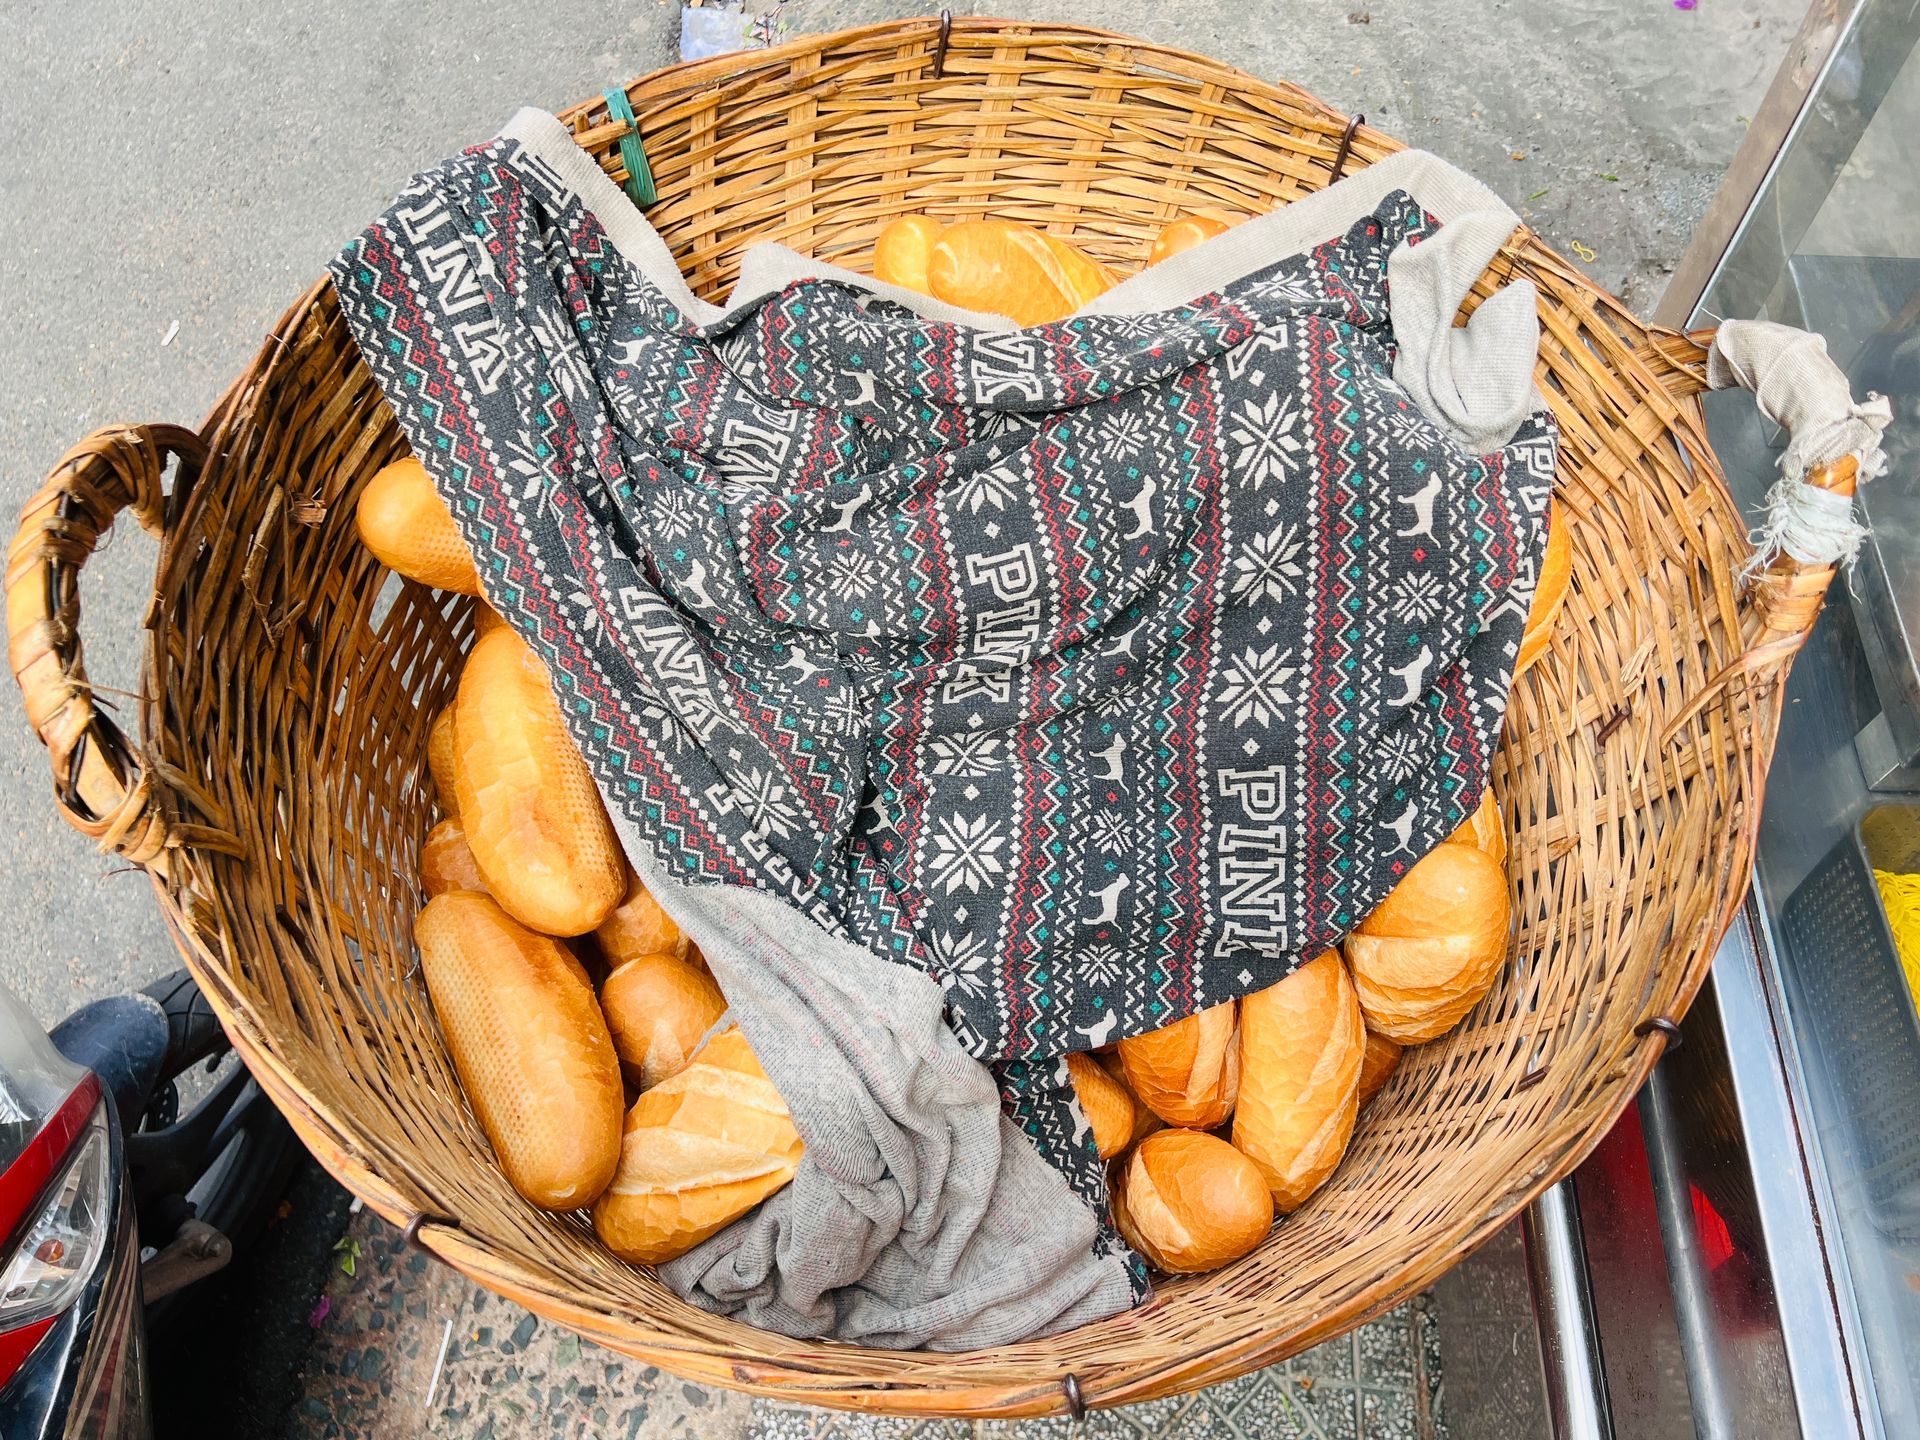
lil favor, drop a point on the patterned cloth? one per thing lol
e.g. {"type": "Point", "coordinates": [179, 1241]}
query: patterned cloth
{"type": "Point", "coordinates": [1100, 671]}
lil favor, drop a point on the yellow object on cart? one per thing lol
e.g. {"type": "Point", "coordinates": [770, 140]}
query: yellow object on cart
{"type": "Point", "coordinates": [1901, 895]}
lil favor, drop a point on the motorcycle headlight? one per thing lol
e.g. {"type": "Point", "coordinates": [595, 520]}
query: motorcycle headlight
{"type": "Point", "coordinates": [47, 1265]}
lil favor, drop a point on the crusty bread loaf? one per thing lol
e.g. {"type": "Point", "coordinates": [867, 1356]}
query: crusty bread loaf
{"type": "Point", "coordinates": [1556, 574]}
{"type": "Point", "coordinates": [1145, 1122]}
{"type": "Point", "coordinates": [638, 926]}
{"type": "Point", "coordinates": [1301, 1046]}
{"type": "Point", "coordinates": [529, 1045]}
{"type": "Point", "coordinates": [658, 1008]}
{"type": "Point", "coordinates": [446, 862]}
{"type": "Point", "coordinates": [1189, 1201]}
{"type": "Point", "coordinates": [440, 761]}
{"type": "Point", "coordinates": [1484, 829]}
{"type": "Point", "coordinates": [532, 813]}
{"type": "Point", "coordinates": [1187, 1073]}
{"type": "Point", "coordinates": [1109, 1105]}
{"type": "Point", "coordinates": [901, 251]}
{"type": "Point", "coordinates": [404, 522]}
{"type": "Point", "coordinates": [701, 1149]}
{"type": "Point", "coordinates": [1377, 1064]}
{"type": "Point", "coordinates": [1183, 234]}
{"type": "Point", "coordinates": [1431, 949]}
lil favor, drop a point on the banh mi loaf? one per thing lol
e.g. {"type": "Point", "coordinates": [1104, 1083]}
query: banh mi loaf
{"type": "Point", "coordinates": [1484, 829]}
{"type": "Point", "coordinates": [1014, 270]}
{"type": "Point", "coordinates": [446, 861]}
{"type": "Point", "coordinates": [440, 762]}
{"type": "Point", "coordinates": [1190, 1201]}
{"type": "Point", "coordinates": [533, 817]}
{"type": "Point", "coordinates": [700, 1150]}
{"type": "Point", "coordinates": [1301, 1048]}
{"type": "Point", "coordinates": [1145, 1122]}
{"type": "Point", "coordinates": [1187, 1073]}
{"type": "Point", "coordinates": [1431, 949]}
{"type": "Point", "coordinates": [1183, 234]}
{"type": "Point", "coordinates": [1109, 1107]}
{"type": "Point", "coordinates": [1550, 593]}
{"type": "Point", "coordinates": [658, 1008]}
{"type": "Point", "coordinates": [529, 1044]}
{"type": "Point", "coordinates": [902, 249]}
{"type": "Point", "coordinates": [638, 926]}
{"type": "Point", "coordinates": [1377, 1064]}
{"type": "Point", "coordinates": [404, 522]}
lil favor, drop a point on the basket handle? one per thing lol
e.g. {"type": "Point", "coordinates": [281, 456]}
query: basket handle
{"type": "Point", "coordinates": [99, 780]}
{"type": "Point", "coordinates": [1809, 528]}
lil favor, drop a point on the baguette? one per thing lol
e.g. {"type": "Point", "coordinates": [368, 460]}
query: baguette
{"type": "Point", "coordinates": [533, 817]}
{"type": "Point", "coordinates": [700, 1150]}
{"type": "Point", "coordinates": [638, 926]}
{"type": "Point", "coordinates": [1377, 1064]}
{"type": "Point", "coordinates": [528, 1042]}
{"type": "Point", "coordinates": [1187, 1073]}
{"type": "Point", "coordinates": [658, 1008]}
{"type": "Point", "coordinates": [1550, 591]}
{"type": "Point", "coordinates": [1109, 1106]}
{"type": "Point", "coordinates": [1431, 949]}
{"type": "Point", "coordinates": [404, 522]}
{"type": "Point", "coordinates": [1301, 1047]}
{"type": "Point", "coordinates": [446, 862]}
{"type": "Point", "coordinates": [1190, 1202]}
{"type": "Point", "coordinates": [440, 762]}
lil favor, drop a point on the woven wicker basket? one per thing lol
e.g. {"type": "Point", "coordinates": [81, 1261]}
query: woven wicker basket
{"type": "Point", "coordinates": [276, 794]}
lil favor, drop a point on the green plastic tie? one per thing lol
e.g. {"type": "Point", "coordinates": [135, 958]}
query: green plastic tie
{"type": "Point", "coordinates": [639, 186]}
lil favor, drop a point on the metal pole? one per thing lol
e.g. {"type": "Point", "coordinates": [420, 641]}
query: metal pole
{"type": "Point", "coordinates": [1563, 1310]}
{"type": "Point", "coordinates": [1686, 1271]}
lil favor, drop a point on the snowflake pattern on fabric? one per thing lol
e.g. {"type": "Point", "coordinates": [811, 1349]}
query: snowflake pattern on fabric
{"type": "Point", "coordinates": [1103, 670]}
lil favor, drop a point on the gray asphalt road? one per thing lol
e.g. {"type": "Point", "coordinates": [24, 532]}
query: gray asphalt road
{"type": "Point", "coordinates": [196, 164]}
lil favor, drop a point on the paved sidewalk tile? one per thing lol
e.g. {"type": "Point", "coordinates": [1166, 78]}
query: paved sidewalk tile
{"type": "Point", "coordinates": [507, 1376]}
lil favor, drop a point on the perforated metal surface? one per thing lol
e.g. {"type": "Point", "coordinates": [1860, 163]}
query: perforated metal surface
{"type": "Point", "coordinates": [1860, 1011]}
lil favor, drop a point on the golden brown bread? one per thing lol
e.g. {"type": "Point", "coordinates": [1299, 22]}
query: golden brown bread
{"type": "Point", "coordinates": [658, 1007]}
{"type": "Point", "coordinates": [446, 862]}
{"type": "Point", "coordinates": [403, 521]}
{"type": "Point", "coordinates": [1484, 829]}
{"type": "Point", "coordinates": [532, 814]}
{"type": "Point", "coordinates": [1145, 1122]}
{"type": "Point", "coordinates": [1012, 270]}
{"type": "Point", "coordinates": [1187, 1073]}
{"type": "Point", "coordinates": [1110, 1107]}
{"type": "Point", "coordinates": [1556, 573]}
{"type": "Point", "coordinates": [530, 1047]}
{"type": "Point", "coordinates": [1431, 949]}
{"type": "Point", "coordinates": [440, 761]}
{"type": "Point", "coordinates": [1301, 1047]}
{"type": "Point", "coordinates": [638, 926]}
{"type": "Point", "coordinates": [1190, 1202]}
{"type": "Point", "coordinates": [902, 249]}
{"type": "Point", "coordinates": [1183, 234]}
{"type": "Point", "coordinates": [486, 619]}
{"type": "Point", "coordinates": [1377, 1064]}
{"type": "Point", "coordinates": [700, 1150]}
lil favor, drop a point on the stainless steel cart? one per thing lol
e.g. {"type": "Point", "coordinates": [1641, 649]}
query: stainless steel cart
{"type": "Point", "coordinates": [1741, 1257]}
